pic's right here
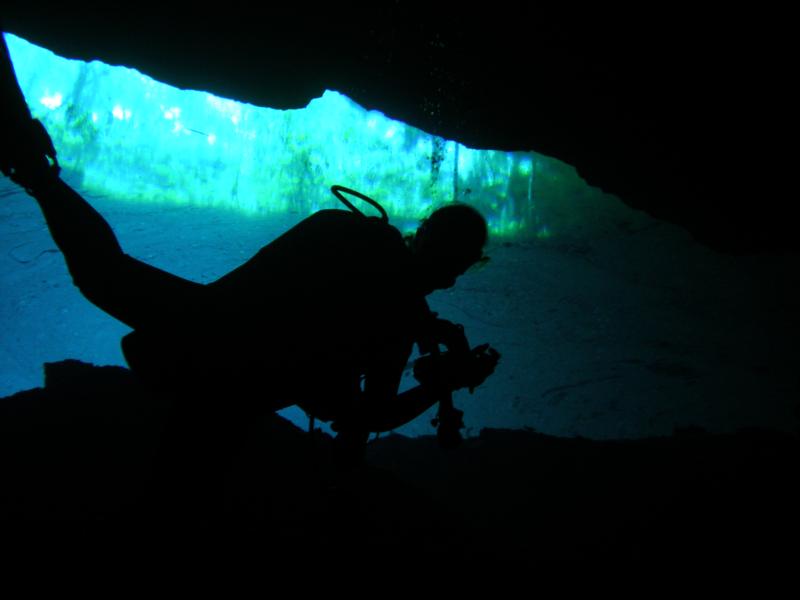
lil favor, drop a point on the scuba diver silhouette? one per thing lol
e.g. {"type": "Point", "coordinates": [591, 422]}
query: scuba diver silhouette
{"type": "Point", "coordinates": [324, 317]}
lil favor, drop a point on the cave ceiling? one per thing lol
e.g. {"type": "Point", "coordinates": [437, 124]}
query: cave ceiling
{"type": "Point", "coordinates": [682, 115]}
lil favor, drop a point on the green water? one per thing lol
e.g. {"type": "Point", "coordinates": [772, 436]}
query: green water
{"type": "Point", "coordinates": [128, 136]}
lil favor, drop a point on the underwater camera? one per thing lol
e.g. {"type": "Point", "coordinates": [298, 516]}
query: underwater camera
{"type": "Point", "coordinates": [445, 372]}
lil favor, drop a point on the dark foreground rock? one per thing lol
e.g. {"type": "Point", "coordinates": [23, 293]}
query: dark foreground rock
{"type": "Point", "coordinates": [77, 458]}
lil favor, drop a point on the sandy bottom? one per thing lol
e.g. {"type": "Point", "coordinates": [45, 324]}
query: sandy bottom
{"type": "Point", "coordinates": [632, 332]}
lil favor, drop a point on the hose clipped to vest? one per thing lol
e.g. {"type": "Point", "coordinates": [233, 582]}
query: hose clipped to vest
{"type": "Point", "coordinates": [339, 189]}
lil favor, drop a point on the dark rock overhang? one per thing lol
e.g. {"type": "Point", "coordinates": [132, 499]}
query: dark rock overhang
{"type": "Point", "coordinates": [679, 115]}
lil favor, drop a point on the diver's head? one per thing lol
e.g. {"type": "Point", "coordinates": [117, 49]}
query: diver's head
{"type": "Point", "coordinates": [448, 243]}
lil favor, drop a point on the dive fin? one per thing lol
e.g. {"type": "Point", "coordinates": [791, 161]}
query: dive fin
{"type": "Point", "coordinates": [25, 145]}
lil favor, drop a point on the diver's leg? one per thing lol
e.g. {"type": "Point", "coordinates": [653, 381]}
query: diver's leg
{"type": "Point", "coordinates": [80, 232]}
{"type": "Point", "coordinates": [134, 292]}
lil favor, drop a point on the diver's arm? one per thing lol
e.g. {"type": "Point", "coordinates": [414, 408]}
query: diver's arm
{"type": "Point", "coordinates": [382, 409]}
{"type": "Point", "coordinates": [396, 412]}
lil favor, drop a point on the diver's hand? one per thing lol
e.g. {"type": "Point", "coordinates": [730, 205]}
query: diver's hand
{"type": "Point", "coordinates": [453, 371]}
{"type": "Point", "coordinates": [483, 362]}
{"type": "Point", "coordinates": [450, 335]}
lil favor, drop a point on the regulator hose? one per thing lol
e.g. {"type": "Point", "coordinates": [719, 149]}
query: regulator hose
{"type": "Point", "coordinates": [339, 189]}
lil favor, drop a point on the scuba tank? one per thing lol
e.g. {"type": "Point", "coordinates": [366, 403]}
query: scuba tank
{"type": "Point", "coordinates": [448, 421]}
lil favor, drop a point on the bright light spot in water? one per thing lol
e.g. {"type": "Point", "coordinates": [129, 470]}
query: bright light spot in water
{"type": "Point", "coordinates": [53, 101]}
{"type": "Point", "coordinates": [259, 159]}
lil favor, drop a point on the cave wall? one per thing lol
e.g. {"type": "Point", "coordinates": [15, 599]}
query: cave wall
{"type": "Point", "coordinates": [678, 114]}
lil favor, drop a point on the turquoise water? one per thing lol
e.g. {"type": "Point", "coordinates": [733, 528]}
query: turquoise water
{"type": "Point", "coordinates": [126, 135]}
{"type": "Point", "coordinates": [610, 324]}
